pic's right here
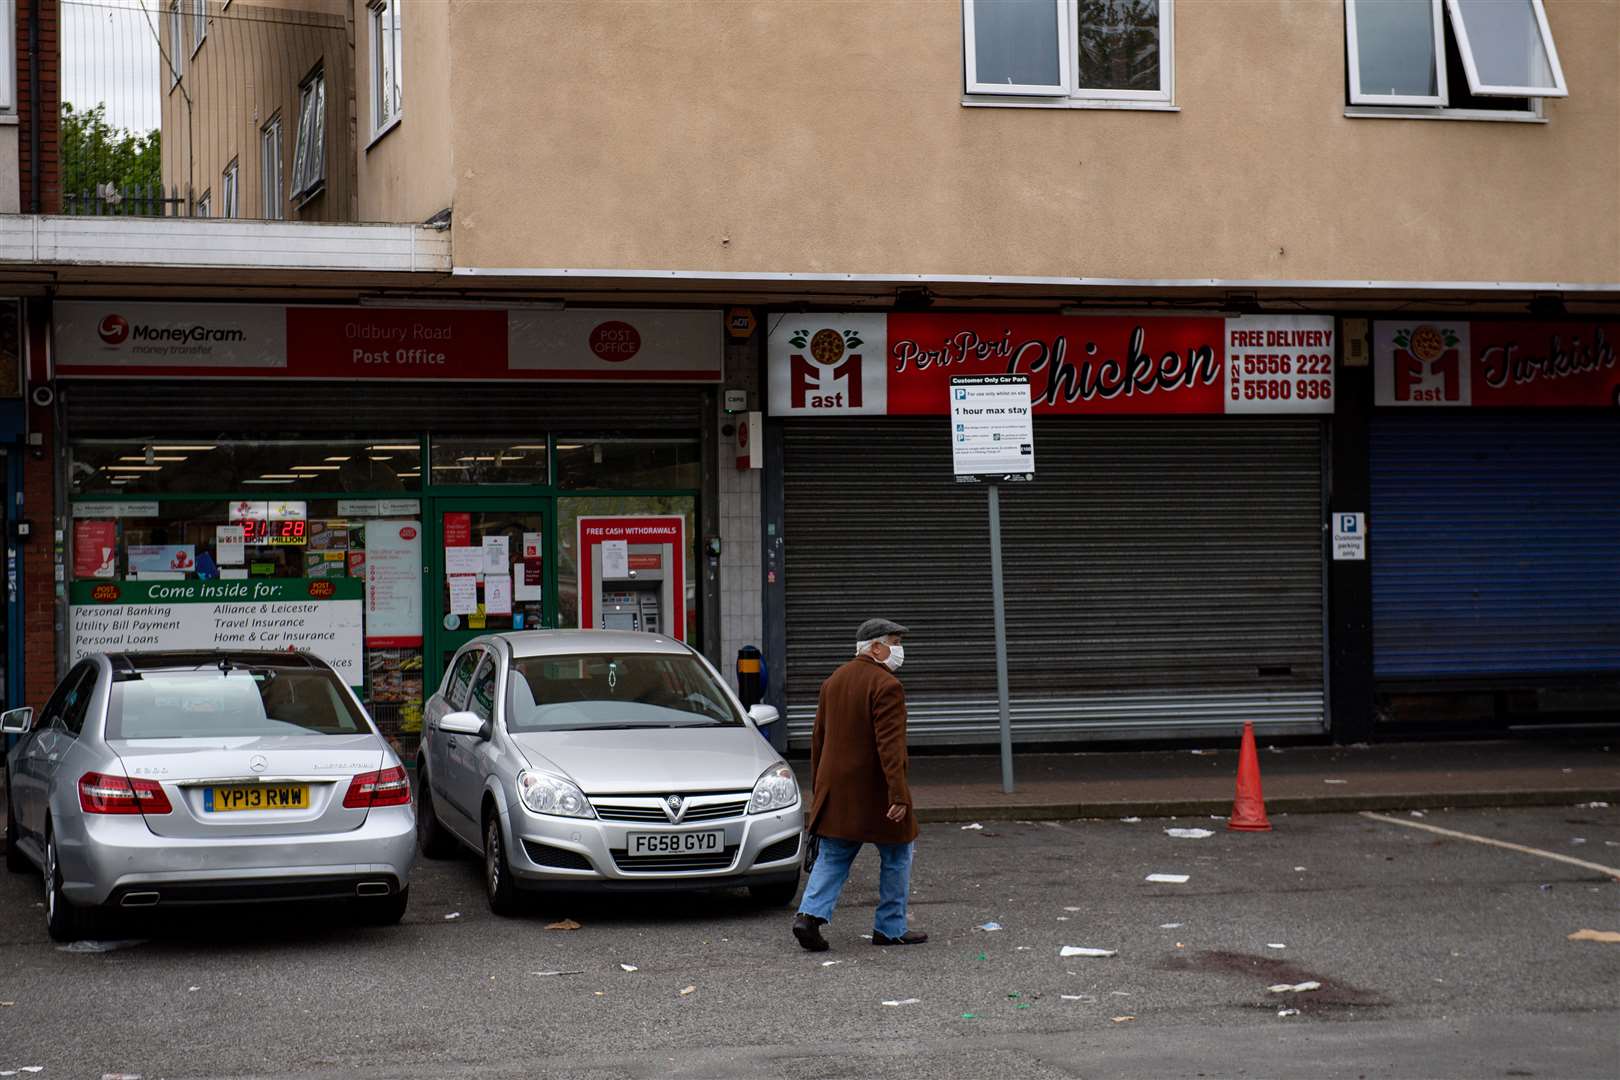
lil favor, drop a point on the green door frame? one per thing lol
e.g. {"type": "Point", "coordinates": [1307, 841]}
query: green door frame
{"type": "Point", "coordinates": [439, 640]}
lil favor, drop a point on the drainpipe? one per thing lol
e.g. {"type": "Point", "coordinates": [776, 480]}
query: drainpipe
{"type": "Point", "coordinates": [35, 115]}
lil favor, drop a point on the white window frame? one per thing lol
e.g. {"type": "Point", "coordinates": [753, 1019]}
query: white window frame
{"type": "Point", "coordinates": [230, 190]}
{"type": "Point", "coordinates": [8, 68]}
{"type": "Point", "coordinates": [177, 44]}
{"type": "Point", "coordinates": [205, 204]}
{"type": "Point", "coordinates": [1459, 27]}
{"type": "Point", "coordinates": [1358, 96]}
{"type": "Point", "coordinates": [304, 137]}
{"type": "Point", "coordinates": [272, 151]}
{"type": "Point", "coordinates": [378, 91]}
{"type": "Point", "coordinates": [199, 24]}
{"type": "Point", "coordinates": [1071, 94]}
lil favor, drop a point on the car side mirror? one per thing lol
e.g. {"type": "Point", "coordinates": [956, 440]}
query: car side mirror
{"type": "Point", "coordinates": [763, 715]}
{"type": "Point", "coordinates": [465, 723]}
{"type": "Point", "coordinates": [17, 721]}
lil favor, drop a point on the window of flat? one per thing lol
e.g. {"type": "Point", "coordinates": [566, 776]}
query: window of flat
{"type": "Point", "coordinates": [1078, 53]}
{"type": "Point", "coordinates": [386, 41]}
{"type": "Point", "coordinates": [199, 24]}
{"type": "Point", "coordinates": [227, 191]}
{"type": "Point", "coordinates": [309, 153]}
{"type": "Point", "coordinates": [205, 205]}
{"type": "Point", "coordinates": [1462, 58]}
{"type": "Point", "coordinates": [177, 42]}
{"type": "Point", "coordinates": [270, 158]}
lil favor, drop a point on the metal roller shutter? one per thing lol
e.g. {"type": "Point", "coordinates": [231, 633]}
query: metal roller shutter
{"type": "Point", "coordinates": [1495, 545]}
{"type": "Point", "coordinates": [199, 407]}
{"type": "Point", "coordinates": [1164, 575]}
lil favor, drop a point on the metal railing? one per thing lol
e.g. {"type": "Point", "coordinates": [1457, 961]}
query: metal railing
{"type": "Point", "coordinates": [198, 108]}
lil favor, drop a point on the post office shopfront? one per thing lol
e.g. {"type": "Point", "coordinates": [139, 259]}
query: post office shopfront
{"type": "Point", "coordinates": [379, 485]}
{"type": "Point", "coordinates": [1165, 570]}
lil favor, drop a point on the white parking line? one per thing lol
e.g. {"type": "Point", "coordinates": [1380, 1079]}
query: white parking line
{"type": "Point", "coordinates": [1454, 834]}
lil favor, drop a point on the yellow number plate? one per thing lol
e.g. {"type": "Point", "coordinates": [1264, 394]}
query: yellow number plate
{"type": "Point", "coordinates": [217, 800]}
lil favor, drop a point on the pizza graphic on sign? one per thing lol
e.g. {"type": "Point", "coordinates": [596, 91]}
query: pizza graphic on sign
{"type": "Point", "coordinates": [1429, 366]}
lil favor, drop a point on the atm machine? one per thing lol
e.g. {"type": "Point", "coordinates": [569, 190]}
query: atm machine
{"type": "Point", "coordinates": [639, 599]}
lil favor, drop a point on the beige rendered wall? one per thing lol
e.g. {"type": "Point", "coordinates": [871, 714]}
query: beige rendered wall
{"type": "Point", "coordinates": [406, 175]}
{"type": "Point", "coordinates": [823, 135]}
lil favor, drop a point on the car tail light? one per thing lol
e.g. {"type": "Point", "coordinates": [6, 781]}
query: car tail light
{"type": "Point", "coordinates": [100, 793]}
{"type": "Point", "coordinates": [390, 787]}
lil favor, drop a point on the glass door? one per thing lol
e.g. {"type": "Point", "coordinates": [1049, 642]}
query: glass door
{"type": "Point", "coordinates": [491, 568]}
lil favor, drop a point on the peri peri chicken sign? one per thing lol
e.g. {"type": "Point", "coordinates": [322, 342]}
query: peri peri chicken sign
{"type": "Point", "coordinates": [902, 364]}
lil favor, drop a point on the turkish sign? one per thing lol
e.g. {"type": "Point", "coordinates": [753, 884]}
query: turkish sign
{"type": "Point", "coordinates": [1568, 364]}
{"type": "Point", "coordinates": [902, 364]}
{"type": "Point", "coordinates": [323, 617]}
{"type": "Point", "coordinates": [992, 428]}
{"type": "Point", "coordinates": [112, 338]}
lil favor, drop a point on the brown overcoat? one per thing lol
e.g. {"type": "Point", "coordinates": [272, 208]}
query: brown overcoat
{"type": "Point", "coordinates": [858, 756]}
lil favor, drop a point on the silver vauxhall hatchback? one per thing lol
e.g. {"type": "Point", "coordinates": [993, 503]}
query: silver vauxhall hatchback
{"type": "Point", "coordinates": [204, 777]}
{"type": "Point", "coordinates": [596, 759]}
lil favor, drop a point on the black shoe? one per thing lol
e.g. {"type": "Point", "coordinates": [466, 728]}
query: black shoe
{"type": "Point", "coordinates": [807, 928]}
{"type": "Point", "coordinates": [910, 937]}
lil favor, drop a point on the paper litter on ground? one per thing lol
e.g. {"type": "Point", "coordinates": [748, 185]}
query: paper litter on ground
{"type": "Point", "coordinates": [970, 828]}
{"type": "Point", "coordinates": [688, 990]}
{"type": "Point", "coordinates": [452, 915]}
{"type": "Point", "coordinates": [903, 1001]}
{"type": "Point", "coordinates": [556, 973]}
{"type": "Point", "coordinates": [1082, 950]}
{"type": "Point", "coordinates": [1275, 945]}
{"type": "Point", "coordinates": [1071, 909]}
{"type": "Point", "coordinates": [1417, 813]}
{"type": "Point", "coordinates": [628, 967]}
{"type": "Point", "coordinates": [1294, 988]}
{"type": "Point", "coordinates": [563, 924]}
{"type": "Point", "coordinates": [1591, 806]}
{"type": "Point", "coordinates": [1200, 752]}
{"type": "Point", "coordinates": [1023, 948]}
{"type": "Point", "coordinates": [1130, 820]}
{"type": "Point", "coordinates": [1077, 997]}
{"type": "Point", "coordinates": [989, 927]}
{"type": "Point", "coordinates": [98, 947]}
{"type": "Point", "coordinates": [1335, 781]}
{"type": "Point", "coordinates": [1287, 1012]}
{"type": "Point", "coordinates": [1169, 879]}
{"type": "Point", "coordinates": [1297, 869]}
{"type": "Point", "coordinates": [1123, 1019]}
{"type": "Point", "coordinates": [830, 963]}
{"type": "Point", "coordinates": [1610, 936]}
{"type": "Point", "coordinates": [1188, 834]}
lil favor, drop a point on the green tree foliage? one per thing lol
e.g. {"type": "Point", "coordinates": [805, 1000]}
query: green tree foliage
{"type": "Point", "coordinates": [96, 153]}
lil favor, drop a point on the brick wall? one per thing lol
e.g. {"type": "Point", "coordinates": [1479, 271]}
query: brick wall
{"type": "Point", "coordinates": [38, 508]}
{"type": "Point", "coordinates": [50, 98]}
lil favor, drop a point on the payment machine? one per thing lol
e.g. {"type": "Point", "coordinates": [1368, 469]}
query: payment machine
{"type": "Point", "coordinates": [631, 577]}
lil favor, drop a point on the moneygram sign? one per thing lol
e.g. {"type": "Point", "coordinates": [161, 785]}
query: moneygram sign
{"type": "Point", "coordinates": [198, 336]}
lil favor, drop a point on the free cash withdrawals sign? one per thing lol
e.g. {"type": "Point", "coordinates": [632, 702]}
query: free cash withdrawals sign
{"type": "Point", "coordinates": [992, 428]}
{"type": "Point", "coordinates": [322, 616]}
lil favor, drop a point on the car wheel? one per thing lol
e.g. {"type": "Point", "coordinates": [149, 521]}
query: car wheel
{"type": "Point", "coordinates": [386, 911]}
{"type": "Point", "coordinates": [16, 861]}
{"type": "Point", "coordinates": [780, 894]}
{"type": "Point", "coordinates": [432, 838]}
{"type": "Point", "coordinates": [64, 920]}
{"type": "Point", "coordinates": [499, 887]}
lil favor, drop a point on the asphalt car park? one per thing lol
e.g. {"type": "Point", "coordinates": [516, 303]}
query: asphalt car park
{"type": "Point", "coordinates": [1435, 957]}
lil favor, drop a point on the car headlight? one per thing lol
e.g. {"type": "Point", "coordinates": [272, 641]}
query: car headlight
{"type": "Point", "coordinates": [776, 789]}
{"type": "Point", "coordinates": [547, 794]}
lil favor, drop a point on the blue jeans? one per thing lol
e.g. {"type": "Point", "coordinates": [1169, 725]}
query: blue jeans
{"type": "Point", "coordinates": [831, 870]}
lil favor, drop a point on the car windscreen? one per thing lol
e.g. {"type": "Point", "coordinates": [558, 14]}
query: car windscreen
{"type": "Point", "coordinates": [240, 702]}
{"type": "Point", "coordinates": [597, 691]}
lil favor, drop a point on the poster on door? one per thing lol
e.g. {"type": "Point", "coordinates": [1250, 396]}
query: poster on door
{"type": "Point", "coordinates": [393, 581]}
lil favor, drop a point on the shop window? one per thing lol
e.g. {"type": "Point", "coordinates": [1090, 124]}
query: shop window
{"type": "Point", "coordinates": [628, 464]}
{"type": "Point", "coordinates": [489, 461]}
{"type": "Point", "coordinates": [1468, 59]}
{"type": "Point", "coordinates": [571, 509]}
{"type": "Point", "coordinates": [1107, 53]}
{"type": "Point", "coordinates": [181, 466]}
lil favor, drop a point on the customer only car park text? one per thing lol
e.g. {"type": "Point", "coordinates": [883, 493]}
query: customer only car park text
{"type": "Point", "coordinates": [992, 428]}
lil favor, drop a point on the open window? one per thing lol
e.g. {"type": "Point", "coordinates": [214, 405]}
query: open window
{"type": "Point", "coordinates": [309, 153]}
{"type": "Point", "coordinates": [1451, 57]}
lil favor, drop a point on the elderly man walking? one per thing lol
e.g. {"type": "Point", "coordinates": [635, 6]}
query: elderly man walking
{"type": "Point", "coordinates": [860, 795]}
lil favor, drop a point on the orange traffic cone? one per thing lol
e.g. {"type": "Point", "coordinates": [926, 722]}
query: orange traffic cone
{"type": "Point", "coordinates": [1249, 806]}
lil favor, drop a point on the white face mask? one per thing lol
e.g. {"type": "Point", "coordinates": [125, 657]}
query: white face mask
{"type": "Point", "coordinates": [897, 656]}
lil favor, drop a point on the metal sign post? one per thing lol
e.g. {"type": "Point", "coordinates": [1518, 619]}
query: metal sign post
{"type": "Point", "coordinates": [993, 441]}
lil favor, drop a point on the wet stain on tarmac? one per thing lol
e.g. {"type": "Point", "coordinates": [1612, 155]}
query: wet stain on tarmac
{"type": "Point", "coordinates": [1266, 971]}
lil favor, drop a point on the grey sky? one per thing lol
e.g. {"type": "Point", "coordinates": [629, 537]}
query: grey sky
{"type": "Point", "coordinates": [109, 54]}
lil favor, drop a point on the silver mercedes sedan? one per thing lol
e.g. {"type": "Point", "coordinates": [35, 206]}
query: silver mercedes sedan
{"type": "Point", "coordinates": [580, 759]}
{"type": "Point", "coordinates": [204, 777]}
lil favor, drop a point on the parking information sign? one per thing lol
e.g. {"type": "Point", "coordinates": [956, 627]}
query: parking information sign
{"type": "Point", "coordinates": [992, 428]}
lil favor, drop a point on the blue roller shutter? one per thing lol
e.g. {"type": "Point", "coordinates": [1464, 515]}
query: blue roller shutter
{"type": "Point", "coordinates": [1495, 545]}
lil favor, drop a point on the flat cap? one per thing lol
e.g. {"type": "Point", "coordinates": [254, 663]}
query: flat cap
{"type": "Point", "coordinates": [876, 628]}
